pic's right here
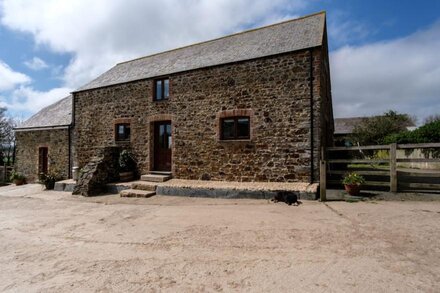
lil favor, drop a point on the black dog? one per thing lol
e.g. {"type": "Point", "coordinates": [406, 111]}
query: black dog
{"type": "Point", "coordinates": [288, 197]}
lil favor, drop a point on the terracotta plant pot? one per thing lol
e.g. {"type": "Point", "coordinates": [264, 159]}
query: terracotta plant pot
{"type": "Point", "coordinates": [18, 181]}
{"type": "Point", "coordinates": [353, 189]}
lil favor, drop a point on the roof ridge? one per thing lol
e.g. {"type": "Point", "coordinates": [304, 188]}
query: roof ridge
{"type": "Point", "coordinates": [227, 36]}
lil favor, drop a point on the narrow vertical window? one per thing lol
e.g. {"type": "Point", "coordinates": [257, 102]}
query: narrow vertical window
{"type": "Point", "coordinates": [161, 89]}
{"type": "Point", "coordinates": [122, 132]}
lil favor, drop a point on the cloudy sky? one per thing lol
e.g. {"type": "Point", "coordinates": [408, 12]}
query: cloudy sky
{"type": "Point", "coordinates": [384, 54]}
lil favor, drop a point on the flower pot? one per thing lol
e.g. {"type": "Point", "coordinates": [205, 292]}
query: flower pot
{"type": "Point", "coordinates": [18, 181]}
{"type": "Point", "coordinates": [353, 189]}
{"type": "Point", "coordinates": [49, 185]}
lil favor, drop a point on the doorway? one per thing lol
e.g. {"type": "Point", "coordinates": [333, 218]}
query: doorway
{"type": "Point", "coordinates": [162, 146]}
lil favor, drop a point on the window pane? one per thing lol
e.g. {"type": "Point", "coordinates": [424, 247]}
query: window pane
{"type": "Point", "coordinates": [243, 127]}
{"type": "Point", "coordinates": [162, 136]}
{"type": "Point", "coordinates": [127, 131]}
{"type": "Point", "coordinates": [122, 131]}
{"type": "Point", "coordinates": [166, 86]}
{"type": "Point", "coordinates": [228, 128]}
{"type": "Point", "coordinates": [158, 90]}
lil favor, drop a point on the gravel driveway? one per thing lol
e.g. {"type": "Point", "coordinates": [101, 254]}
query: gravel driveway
{"type": "Point", "coordinates": [56, 242]}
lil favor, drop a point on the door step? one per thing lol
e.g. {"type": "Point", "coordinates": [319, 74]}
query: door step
{"type": "Point", "coordinates": [137, 193]}
{"type": "Point", "coordinates": [144, 185]}
{"type": "Point", "coordinates": [155, 177]}
{"type": "Point", "coordinates": [161, 173]}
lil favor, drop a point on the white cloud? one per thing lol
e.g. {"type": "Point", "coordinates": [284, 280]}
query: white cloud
{"type": "Point", "coordinates": [401, 74]}
{"type": "Point", "coordinates": [101, 33]}
{"type": "Point", "coordinates": [10, 78]}
{"type": "Point", "coordinates": [36, 64]}
{"type": "Point", "coordinates": [27, 99]}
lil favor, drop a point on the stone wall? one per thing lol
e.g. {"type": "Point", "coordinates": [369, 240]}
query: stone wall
{"type": "Point", "coordinates": [28, 143]}
{"type": "Point", "coordinates": [275, 90]}
{"type": "Point", "coordinates": [100, 170]}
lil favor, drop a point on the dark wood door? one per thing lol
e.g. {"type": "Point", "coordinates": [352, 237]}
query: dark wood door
{"type": "Point", "coordinates": [162, 146]}
{"type": "Point", "coordinates": [42, 160]}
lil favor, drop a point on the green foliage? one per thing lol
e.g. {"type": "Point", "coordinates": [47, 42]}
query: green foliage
{"type": "Point", "coordinates": [126, 161]}
{"type": "Point", "coordinates": [353, 179]}
{"type": "Point", "coordinates": [16, 176]}
{"type": "Point", "coordinates": [48, 179]}
{"type": "Point", "coordinates": [425, 134]}
{"type": "Point", "coordinates": [374, 130]}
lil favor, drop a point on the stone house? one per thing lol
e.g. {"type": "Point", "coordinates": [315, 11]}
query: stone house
{"type": "Point", "coordinates": [44, 141]}
{"type": "Point", "coordinates": [252, 106]}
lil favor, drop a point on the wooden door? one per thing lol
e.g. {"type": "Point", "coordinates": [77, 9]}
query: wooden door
{"type": "Point", "coordinates": [42, 160]}
{"type": "Point", "coordinates": [162, 146]}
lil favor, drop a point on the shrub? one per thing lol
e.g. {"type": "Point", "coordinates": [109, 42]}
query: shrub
{"type": "Point", "coordinates": [353, 179]}
{"type": "Point", "coordinates": [126, 161]}
{"type": "Point", "coordinates": [48, 180]}
{"type": "Point", "coordinates": [16, 176]}
{"type": "Point", "coordinates": [425, 134]}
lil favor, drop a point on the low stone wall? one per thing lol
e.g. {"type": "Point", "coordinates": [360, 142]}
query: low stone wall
{"type": "Point", "coordinates": [102, 169]}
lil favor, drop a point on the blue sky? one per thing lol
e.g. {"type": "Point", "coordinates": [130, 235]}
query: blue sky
{"type": "Point", "coordinates": [384, 54]}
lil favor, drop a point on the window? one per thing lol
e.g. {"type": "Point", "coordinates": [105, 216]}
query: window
{"type": "Point", "coordinates": [161, 89]}
{"type": "Point", "coordinates": [235, 128]}
{"type": "Point", "coordinates": [122, 131]}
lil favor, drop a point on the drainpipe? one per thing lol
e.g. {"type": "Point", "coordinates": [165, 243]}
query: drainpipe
{"type": "Point", "coordinates": [69, 151]}
{"type": "Point", "coordinates": [311, 119]}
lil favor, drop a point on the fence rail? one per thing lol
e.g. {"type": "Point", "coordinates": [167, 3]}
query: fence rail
{"type": "Point", "coordinates": [381, 171]}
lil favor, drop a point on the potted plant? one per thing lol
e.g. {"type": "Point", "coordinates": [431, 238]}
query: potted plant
{"type": "Point", "coordinates": [48, 180]}
{"type": "Point", "coordinates": [127, 166]}
{"type": "Point", "coordinates": [17, 178]}
{"type": "Point", "coordinates": [352, 183]}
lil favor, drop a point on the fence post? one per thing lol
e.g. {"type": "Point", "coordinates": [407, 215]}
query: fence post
{"type": "Point", "coordinates": [322, 180]}
{"type": "Point", "coordinates": [393, 167]}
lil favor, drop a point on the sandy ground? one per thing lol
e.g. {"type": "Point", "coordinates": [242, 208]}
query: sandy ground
{"type": "Point", "coordinates": [55, 242]}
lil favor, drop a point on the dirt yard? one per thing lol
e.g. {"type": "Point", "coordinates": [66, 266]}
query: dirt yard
{"type": "Point", "coordinates": [55, 242]}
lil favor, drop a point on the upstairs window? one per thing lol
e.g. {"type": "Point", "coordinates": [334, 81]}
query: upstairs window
{"type": "Point", "coordinates": [161, 89]}
{"type": "Point", "coordinates": [233, 128]}
{"type": "Point", "coordinates": [122, 132]}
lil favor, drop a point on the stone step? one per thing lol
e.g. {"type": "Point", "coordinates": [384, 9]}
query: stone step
{"type": "Point", "coordinates": [161, 173]}
{"type": "Point", "coordinates": [155, 178]}
{"type": "Point", "coordinates": [136, 193]}
{"type": "Point", "coordinates": [144, 185]}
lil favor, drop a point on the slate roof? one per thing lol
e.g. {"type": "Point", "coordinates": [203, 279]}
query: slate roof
{"type": "Point", "coordinates": [57, 114]}
{"type": "Point", "coordinates": [347, 125]}
{"type": "Point", "coordinates": [288, 36]}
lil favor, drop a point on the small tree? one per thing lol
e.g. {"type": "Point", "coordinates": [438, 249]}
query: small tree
{"type": "Point", "coordinates": [374, 130]}
{"type": "Point", "coordinates": [7, 137]}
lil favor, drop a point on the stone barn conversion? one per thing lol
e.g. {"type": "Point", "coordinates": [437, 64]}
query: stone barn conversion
{"type": "Point", "coordinates": [44, 141]}
{"type": "Point", "coordinates": [252, 106]}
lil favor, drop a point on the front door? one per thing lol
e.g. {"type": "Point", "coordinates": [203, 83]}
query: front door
{"type": "Point", "coordinates": [162, 146]}
{"type": "Point", "coordinates": [42, 160]}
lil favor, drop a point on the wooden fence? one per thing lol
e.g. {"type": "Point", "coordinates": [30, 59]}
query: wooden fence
{"type": "Point", "coordinates": [383, 166]}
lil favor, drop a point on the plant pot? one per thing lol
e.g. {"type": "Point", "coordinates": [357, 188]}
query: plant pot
{"type": "Point", "coordinates": [126, 176]}
{"type": "Point", "coordinates": [353, 189]}
{"type": "Point", "coordinates": [49, 185]}
{"type": "Point", "coordinates": [18, 181]}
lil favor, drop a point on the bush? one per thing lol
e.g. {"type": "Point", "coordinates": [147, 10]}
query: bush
{"type": "Point", "coordinates": [425, 134]}
{"type": "Point", "coordinates": [48, 180]}
{"type": "Point", "coordinates": [126, 161]}
{"type": "Point", "coordinates": [353, 179]}
{"type": "Point", "coordinates": [375, 129]}
{"type": "Point", "coordinates": [16, 176]}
